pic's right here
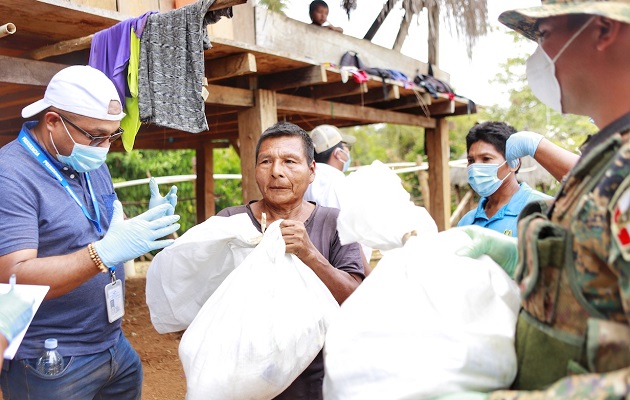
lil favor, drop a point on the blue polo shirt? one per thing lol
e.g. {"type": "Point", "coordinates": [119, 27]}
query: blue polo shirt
{"type": "Point", "coordinates": [37, 213]}
{"type": "Point", "coordinates": [506, 219]}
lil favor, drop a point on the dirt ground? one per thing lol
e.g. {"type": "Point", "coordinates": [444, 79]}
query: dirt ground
{"type": "Point", "coordinates": [163, 374]}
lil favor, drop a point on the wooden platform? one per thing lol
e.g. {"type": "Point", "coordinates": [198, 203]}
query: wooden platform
{"type": "Point", "coordinates": [263, 67]}
{"type": "Point", "coordinates": [309, 93]}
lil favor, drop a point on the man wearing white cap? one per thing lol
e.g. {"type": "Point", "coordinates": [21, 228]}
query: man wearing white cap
{"type": "Point", "coordinates": [572, 261]}
{"type": "Point", "coordinates": [63, 227]}
{"type": "Point", "coordinates": [332, 159]}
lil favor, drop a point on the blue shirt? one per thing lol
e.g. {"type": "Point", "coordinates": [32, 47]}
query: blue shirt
{"type": "Point", "coordinates": [506, 219]}
{"type": "Point", "coordinates": [37, 213]}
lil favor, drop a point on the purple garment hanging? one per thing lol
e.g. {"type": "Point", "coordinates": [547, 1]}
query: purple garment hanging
{"type": "Point", "coordinates": [110, 51]}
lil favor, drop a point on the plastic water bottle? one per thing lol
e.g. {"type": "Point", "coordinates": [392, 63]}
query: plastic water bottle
{"type": "Point", "coordinates": [51, 362]}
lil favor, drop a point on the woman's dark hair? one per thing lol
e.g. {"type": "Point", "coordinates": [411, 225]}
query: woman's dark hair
{"type": "Point", "coordinates": [493, 132]}
{"type": "Point", "coordinates": [282, 129]}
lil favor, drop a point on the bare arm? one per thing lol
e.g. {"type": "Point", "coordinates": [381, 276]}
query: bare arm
{"type": "Point", "coordinates": [556, 160]}
{"type": "Point", "coordinates": [3, 346]}
{"type": "Point", "coordinates": [334, 28]}
{"type": "Point", "coordinates": [340, 283]}
{"type": "Point", "coordinates": [61, 273]}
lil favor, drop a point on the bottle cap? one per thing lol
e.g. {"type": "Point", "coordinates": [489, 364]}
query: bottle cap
{"type": "Point", "coordinates": [50, 344]}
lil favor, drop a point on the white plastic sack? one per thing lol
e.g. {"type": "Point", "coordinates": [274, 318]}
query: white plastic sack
{"type": "Point", "coordinates": [182, 276]}
{"type": "Point", "coordinates": [260, 329]}
{"type": "Point", "coordinates": [378, 216]}
{"type": "Point", "coordinates": [424, 323]}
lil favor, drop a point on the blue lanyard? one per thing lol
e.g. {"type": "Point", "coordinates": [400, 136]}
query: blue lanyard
{"type": "Point", "coordinates": [37, 152]}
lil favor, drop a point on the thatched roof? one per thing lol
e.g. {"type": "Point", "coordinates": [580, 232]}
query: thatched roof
{"type": "Point", "coordinates": [470, 21]}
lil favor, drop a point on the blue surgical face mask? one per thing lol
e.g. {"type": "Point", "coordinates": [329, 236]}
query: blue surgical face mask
{"type": "Point", "coordinates": [483, 178]}
{"type": "Point", "coordinates": [82, 158]}
{"type": "Point", "coordinates": [346, 164]}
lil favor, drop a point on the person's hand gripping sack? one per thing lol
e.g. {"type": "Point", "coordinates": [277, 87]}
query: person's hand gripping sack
{"type": "Point", "coordinates": [521, 144]}
{"type": "Point", "coordinates": [157, 199]}
{"type": "Point", "coordinates": [15, 312]}
{"type": "Point", "coordinates": [127, 239]}
{"type": "Point", "coordinates": [501, 248]}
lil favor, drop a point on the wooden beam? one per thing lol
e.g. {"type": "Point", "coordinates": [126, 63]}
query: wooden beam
{"type": "Point", "coordinates": [229, 96]}
{"type": "Point", "coordinates": [403, 31]}
{"type": "Point", "coordinates": [406, 102]}
{"type": "Point", "coordinates": [338, 90]}
{"type": "Point", "coordinates": [82, 43]}
{"type": "Point", "coordinates": [433, 39]}
{"type": "Point", "coordinates": [27, 72]}
{"type": "Point", "coordinates": [294, 78]}
{"type": "Point", "coordinates": [437, 148]}
{"type": "Point", "coordinates": [294, 104]}
{"type": "Point", "coordinates": [235, 145]}
{"type": "Point", "coordinates": [442, 108]}
{"type": "Point", "coordinates": [251, 123]}
{"type": "Point", "coordinates": [227, 67]}
{"type": "Point", "coordinates": [380, 18]}
{"type": "Point", "coordinates": [376, 95]}
{"type": "Point", "coordinates": [59, 48]}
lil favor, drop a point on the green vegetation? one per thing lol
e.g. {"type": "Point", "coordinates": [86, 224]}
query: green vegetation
{"type": "Point", "coordinates": [387, 143]}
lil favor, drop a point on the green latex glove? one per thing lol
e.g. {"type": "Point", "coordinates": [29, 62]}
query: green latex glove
{"type": "Point", "coordinates": [157, 199]}
{"type": "Point", "coordinates": [501, 248]}
{"type": "Point", "coordinates": [462, 396]}
{"type": "Point", "coordinates": [15, 312]}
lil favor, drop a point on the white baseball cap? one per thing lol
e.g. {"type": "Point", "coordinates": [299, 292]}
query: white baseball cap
{"type": "Point", "coordinates": [82, 90]}
{"type": "Point", "coordinates": [325, 137]}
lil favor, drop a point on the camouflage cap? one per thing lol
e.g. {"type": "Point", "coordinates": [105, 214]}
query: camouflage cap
{"type": "Point", "coordinates": [524, 20]}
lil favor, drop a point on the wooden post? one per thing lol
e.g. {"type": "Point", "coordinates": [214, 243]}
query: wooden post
{"type": "Point", "coordinates": [437, 148]}
{"type": "Point", "coordinates": [204, 186]}
{"type": "Point", "coordinates": [251, 124]}
{"type": "Point", "coordinates": [433, 16]}
{"type": "Point", "coordinates": [423, 180]}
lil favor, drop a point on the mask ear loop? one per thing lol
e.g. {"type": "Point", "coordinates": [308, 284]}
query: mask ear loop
{"type": "Point", "coordinates": [586, 24]}
{"type": "Point", "coordinates": [506, 176]}
{"type": "Point", "coordinates": [53, 142]}
{"type": "Point", "coordinates": [344, 152]}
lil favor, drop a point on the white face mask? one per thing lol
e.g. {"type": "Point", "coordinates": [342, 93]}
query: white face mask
{"type": "Point", "coordinates": [541, 73]}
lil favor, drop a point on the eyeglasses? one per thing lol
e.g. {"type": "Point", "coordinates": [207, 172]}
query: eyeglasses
{"type": "Point", "coordinates": [95, 140]}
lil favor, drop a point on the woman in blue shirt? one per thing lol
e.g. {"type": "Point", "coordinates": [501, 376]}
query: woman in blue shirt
{"type": "Point", "coordinates": [494, 180]}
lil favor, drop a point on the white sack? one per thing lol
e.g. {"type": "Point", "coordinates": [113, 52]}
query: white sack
{"type": "Point", "coordinates": [182, 276]}
{"type": "Point", "coordinates": [424, 323]}
{"type": "Point", "coordinates": [375, 209]}
{"type": "Point", "coordinates": [260, 329]}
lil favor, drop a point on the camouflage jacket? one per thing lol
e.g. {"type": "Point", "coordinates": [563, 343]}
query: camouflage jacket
{"type": "Point", "coordinates": [592, 292]}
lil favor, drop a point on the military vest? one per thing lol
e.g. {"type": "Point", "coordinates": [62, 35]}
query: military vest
{"type": "Point", "coordinates": [572, 319]}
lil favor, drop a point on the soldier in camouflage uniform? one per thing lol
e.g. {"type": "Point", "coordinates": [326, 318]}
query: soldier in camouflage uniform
{"type": "Point", "coordinates": [572, 260]}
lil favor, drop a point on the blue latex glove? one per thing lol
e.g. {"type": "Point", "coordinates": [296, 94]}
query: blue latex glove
{"type": "Point", "coordinates": [501, 248]}
{"type": "Point", "coordinates": [521, 144]}
{"type": "Point", "coordinates": [157, 199]}
{"type": "Point", "coordinates": [127, 239]}
{"type": "Point", "coordinates": [15, 312]}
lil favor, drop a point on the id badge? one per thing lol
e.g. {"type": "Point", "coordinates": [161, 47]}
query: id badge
{"type": "Point", "coordinates": [115, 300]}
